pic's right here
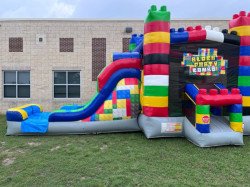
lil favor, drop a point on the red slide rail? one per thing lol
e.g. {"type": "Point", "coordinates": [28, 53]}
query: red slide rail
{"type": "Point", "coordinates": [115, 66]}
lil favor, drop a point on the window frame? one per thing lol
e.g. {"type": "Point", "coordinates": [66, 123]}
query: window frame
{"type": "Point", "coordinates": [16, 84]}
{"type": "Point", "coordinates": [66, 84]}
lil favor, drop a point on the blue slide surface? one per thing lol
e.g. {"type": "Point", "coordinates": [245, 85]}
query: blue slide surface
{"type": "Point", "coordinates": [98, 100]}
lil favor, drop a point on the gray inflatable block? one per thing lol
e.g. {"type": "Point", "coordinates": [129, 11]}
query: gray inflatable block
{"type": "Point", "coordinates": [246, 121]}
{"type": "Point", "coordinates": [157, 127]}
{"type": "Point", "coordinates": [221, 134]}
{"type": "Point", "coordinates": [78, 127]}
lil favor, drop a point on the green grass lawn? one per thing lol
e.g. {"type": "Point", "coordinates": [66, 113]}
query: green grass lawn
{"type": "Point", "coordinates": [127, 159]}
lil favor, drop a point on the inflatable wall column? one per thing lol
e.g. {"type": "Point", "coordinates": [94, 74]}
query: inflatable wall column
{"type": "Point", "coordinates": [235, 117]}
{"type": "Point", "coordinates": [241, 24]}
{"type": "Point", "coordinates": [156, 63]}
{"type": "Point", "coordinates": [202, 118]}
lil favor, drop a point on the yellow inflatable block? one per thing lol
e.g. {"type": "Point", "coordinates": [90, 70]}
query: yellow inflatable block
{"type": "Point", "coordinates": [237, 126]}
{"type": "Point", "coordinates": [245, 101]}
{"type": "Point", "coordinates": [108, 104]}
{"type": "Point", "coordinates": [121, 103]}
{"type": "Point", "coordinates": [242, 30]}
{"type": "Point", "coordinates": [155, 101]}
{"type": "Point", "coordinates": [135, 90]}
{"type": "Point", "coordinates": [121, 83]}
{"type": "Point", "coordinates": [199, 119]}
{"type": "Point", "coordinates": [105, 117]}
{"type": "Point", "coordinates": [157, 37]}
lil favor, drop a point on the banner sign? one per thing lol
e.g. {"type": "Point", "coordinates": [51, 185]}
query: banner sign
{"type": "Point", "coordinates": [206, 63]}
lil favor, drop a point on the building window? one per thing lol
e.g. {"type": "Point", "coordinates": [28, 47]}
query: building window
{"type": "Point", "coordinates": [98, 56]}
{"type": "Point", "coordinates": [66, 44]}
{"type": "Point", "coordinates": [16, 44]}
{"type": "Point", "coordinates": [16, 84]}
{"type": "Point", "coordinates": [66, 84]}
{"type": "Point", "coordinates": [125, 44]}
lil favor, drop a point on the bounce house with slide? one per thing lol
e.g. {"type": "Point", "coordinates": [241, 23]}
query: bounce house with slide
{"type": "Point", "coordinates": [192, 83]}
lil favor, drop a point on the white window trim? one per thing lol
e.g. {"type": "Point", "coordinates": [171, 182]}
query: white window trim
{"type": "Point", "coordinates": [66, 84]}
{"type": "Point", "coordinates": [16, 84]}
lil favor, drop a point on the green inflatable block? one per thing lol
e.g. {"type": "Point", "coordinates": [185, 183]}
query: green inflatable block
{"type": "Point", "coordinates": [155, 90]}
{"type": "Point", "coordinates": [235, 117]}
{"type": "Point", "coordinates": [161, 15]}
{"type": "Point", "coordinates": [202, 109]}
{"type": "Point", "coordinates": [132, 46]}
{"type": "Point", "coordinates": [244, 81]}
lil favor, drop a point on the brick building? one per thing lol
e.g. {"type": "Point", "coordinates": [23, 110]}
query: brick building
{"type": "Point", "coordinates": [56, 62]}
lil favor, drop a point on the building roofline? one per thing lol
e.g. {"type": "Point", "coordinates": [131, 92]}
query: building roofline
{"type": "Point", "coordinates": [97, 20]}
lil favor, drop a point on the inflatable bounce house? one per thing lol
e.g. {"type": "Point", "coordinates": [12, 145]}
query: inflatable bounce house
{"type": "Point", "coordinates": [192, 83]}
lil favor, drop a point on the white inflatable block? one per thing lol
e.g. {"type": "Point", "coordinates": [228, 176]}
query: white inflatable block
{"type": "Point", "coordinates": [216, 29]}
{"type": "Point", "coordinates": [156, 80]}
{"type": "Point", "coordinates": [215, 36]}
{"type": "Point", "coordinates": [208, 27]}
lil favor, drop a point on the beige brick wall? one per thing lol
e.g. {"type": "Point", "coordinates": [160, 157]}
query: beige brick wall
{"type": "Point", "coordinates": [42, 59]}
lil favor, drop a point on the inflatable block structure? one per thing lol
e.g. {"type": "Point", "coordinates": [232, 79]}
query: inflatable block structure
{"type": "Point", "coordinates": [241, 25]}
{"type": "Point", "coordinates": [202, 118]}
{"type": "Point", "coordinates": [162, 88]}
{"type": "Point", "coordinates": [156, 62]}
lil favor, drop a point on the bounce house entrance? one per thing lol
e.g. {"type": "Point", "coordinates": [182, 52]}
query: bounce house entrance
{"type": "Point", "coordinates": [180, 75]}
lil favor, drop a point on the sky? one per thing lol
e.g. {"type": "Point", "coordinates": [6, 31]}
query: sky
{"type": "Point", "coordinates": [120, 9]}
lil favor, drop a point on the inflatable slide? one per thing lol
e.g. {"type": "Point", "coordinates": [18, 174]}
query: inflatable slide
{"type": "Point", "coordinates": [192, 83]}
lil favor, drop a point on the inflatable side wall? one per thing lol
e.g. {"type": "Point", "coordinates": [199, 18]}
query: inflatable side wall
{"type": "Point", "coordinates": [241, 25]}
{"type": "Point", "coordinates": [156, 63]}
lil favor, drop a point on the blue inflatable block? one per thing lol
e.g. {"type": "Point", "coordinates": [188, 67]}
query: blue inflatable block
{"type": "Point", "coordinates": [203, 128]}
{"type": "Point", "coordinates": [123, 94]}
{"type": "Point", "coordinates": [244, 50]}
{"type": "Point", "coordinates": [191, 91]}
{"type": "Point", "coordinates": [236, 108]}
{"type": "Point", "coordinates": [244, 71]}
{"type": "Point", "coordinates": [245, 90]}
{"type": "Point", "coordinates": [36, 123]}
{"type": "Point", "coordinates": [136, 39]}
{"type": "Point", "coordinates": [118, 56]}
{"type": "Point", "coordinates": [178, 37]}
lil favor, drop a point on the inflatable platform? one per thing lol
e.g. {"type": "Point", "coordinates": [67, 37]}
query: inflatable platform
{"type": "Point", "coordinates": [192, 83]}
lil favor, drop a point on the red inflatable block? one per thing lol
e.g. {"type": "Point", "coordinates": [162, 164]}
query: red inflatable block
{"type": "Point", "coordinates": [131, 81]}
{"type": "Point", "coordinates": [224, 91]}
{"type": "Point", "coordinates": [114, 98]}
{"type": "Point", "coordinates": [156, 26]}
{"type": "Point", "coordinates": [155, 111]}
{"type": "Point", "coordinates": [156, 48]}
{"type": "Point", "coordinates": [244, 61]}
{"type": "Point", "coordinates": [196, 34]}
{"type": "Point", "coordinates": [156, 69]}
{"type": "Point", "coordinates": [218, 100]}
{"type": "Point", "coordinates": [240, 20]}
{"type": "Point", "coordinates": [235, 91]}
{"type": "Point", "coordinates": [128, 107]}
{"type": "Point", "coordinates": [203, 91]}
{"type": "Point", "coordinates": [115, 66]}
{"type": "Point", "coordinates": [245, 40]}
